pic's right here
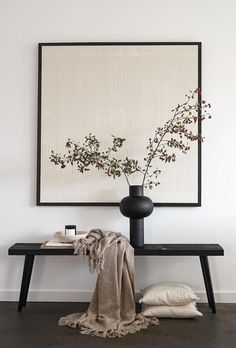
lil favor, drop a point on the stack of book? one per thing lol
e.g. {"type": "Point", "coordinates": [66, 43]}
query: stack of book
{"type": "Point", "coordinates": [55, 244]}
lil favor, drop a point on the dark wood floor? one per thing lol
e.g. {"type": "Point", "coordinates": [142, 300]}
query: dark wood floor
{"type": "Point", "coordinates": [36, 327]}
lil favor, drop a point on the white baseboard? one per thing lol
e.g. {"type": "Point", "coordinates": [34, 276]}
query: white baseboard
{"type": "Point", "coordinates": [220, 296]}
{"type": "Point", "coordinates": [85, 296]}
{"type": "Point", "coordinates": [48, 295]}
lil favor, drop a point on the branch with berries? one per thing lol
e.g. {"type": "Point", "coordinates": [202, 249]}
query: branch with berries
{"type": "Point", "coordinates": [174, 135]}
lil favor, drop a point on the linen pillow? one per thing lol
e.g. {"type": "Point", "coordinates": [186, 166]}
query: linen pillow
{"type": "Point", "coordinates": [168, 294]}
{"type": "Point", "coordinates": [186, 311]}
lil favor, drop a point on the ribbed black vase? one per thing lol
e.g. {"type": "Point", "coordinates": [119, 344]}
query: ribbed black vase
{"type": "Point", "coordinates": [136, 206]}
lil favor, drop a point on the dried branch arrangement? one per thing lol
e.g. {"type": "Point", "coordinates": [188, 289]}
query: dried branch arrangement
{"type": "Point", "coordinates": [174, 136]}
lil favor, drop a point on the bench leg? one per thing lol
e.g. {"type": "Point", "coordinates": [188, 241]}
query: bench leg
{"type": "Point", "coordinates": [208, 283]}
{"type": "Point", "coordinates": [27, 271]}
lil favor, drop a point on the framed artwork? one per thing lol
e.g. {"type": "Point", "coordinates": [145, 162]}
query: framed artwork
{"type": "Point", "coordinates": [122, 89]}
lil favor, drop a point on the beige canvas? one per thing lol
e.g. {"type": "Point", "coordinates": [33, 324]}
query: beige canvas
{"type": "Point", "coordinates": [126, 91]}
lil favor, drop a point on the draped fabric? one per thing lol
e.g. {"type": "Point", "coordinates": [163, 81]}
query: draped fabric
{"type": "Point", "coordinates": [111, 312]}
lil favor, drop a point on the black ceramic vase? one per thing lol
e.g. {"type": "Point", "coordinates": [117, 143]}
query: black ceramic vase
{"type": "Point", "coordinates": [136, 206]}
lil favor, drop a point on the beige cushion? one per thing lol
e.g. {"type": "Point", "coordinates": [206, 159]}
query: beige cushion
{"type": "Point", "coordinates": [168, 294]}
{"type": "Point", "coordinates": [186, 311]}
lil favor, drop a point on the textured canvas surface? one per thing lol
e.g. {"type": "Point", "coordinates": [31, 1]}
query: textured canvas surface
{"type": "Point", "coordinates": [126, 91]}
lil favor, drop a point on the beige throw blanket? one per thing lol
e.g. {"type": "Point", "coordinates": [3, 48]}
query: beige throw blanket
{"type": "Point", "coordinates": [111, 312]}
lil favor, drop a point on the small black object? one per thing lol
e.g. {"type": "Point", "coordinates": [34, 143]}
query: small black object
{"type": "Point", "coordinates": [136, 206]}
{"type": "Point", "coordinates": [70, 229]}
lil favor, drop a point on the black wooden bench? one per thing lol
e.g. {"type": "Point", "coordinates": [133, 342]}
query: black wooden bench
{"type": "Point", "coordinates": [30, 250]}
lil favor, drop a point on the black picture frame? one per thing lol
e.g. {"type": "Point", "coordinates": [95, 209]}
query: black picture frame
{"type": "Point", "coordinates": [39, 123]}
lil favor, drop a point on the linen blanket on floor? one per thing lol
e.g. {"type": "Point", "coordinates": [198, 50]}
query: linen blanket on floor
{"type": "Point", "coordinates": [111, 312]}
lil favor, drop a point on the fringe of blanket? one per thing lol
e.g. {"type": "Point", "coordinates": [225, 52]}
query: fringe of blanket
{"type": "Point", "coordinates": [95, 262]}
{"type": "Point", "coordinates": [141, 322]}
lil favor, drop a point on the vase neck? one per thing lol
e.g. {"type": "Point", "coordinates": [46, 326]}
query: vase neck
{"type": "Point", "coordinates": [136, 190]}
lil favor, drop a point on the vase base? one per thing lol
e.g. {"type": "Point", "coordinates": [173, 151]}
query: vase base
{"type": "Point", "coordinates": [137, 232]}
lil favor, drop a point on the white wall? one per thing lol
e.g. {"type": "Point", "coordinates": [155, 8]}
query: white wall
{"type": "Point", "coordinates": [24, 23]}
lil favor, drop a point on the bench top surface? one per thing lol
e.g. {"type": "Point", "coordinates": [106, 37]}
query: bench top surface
{"type": "Point", "coordinates": [147, 249]}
